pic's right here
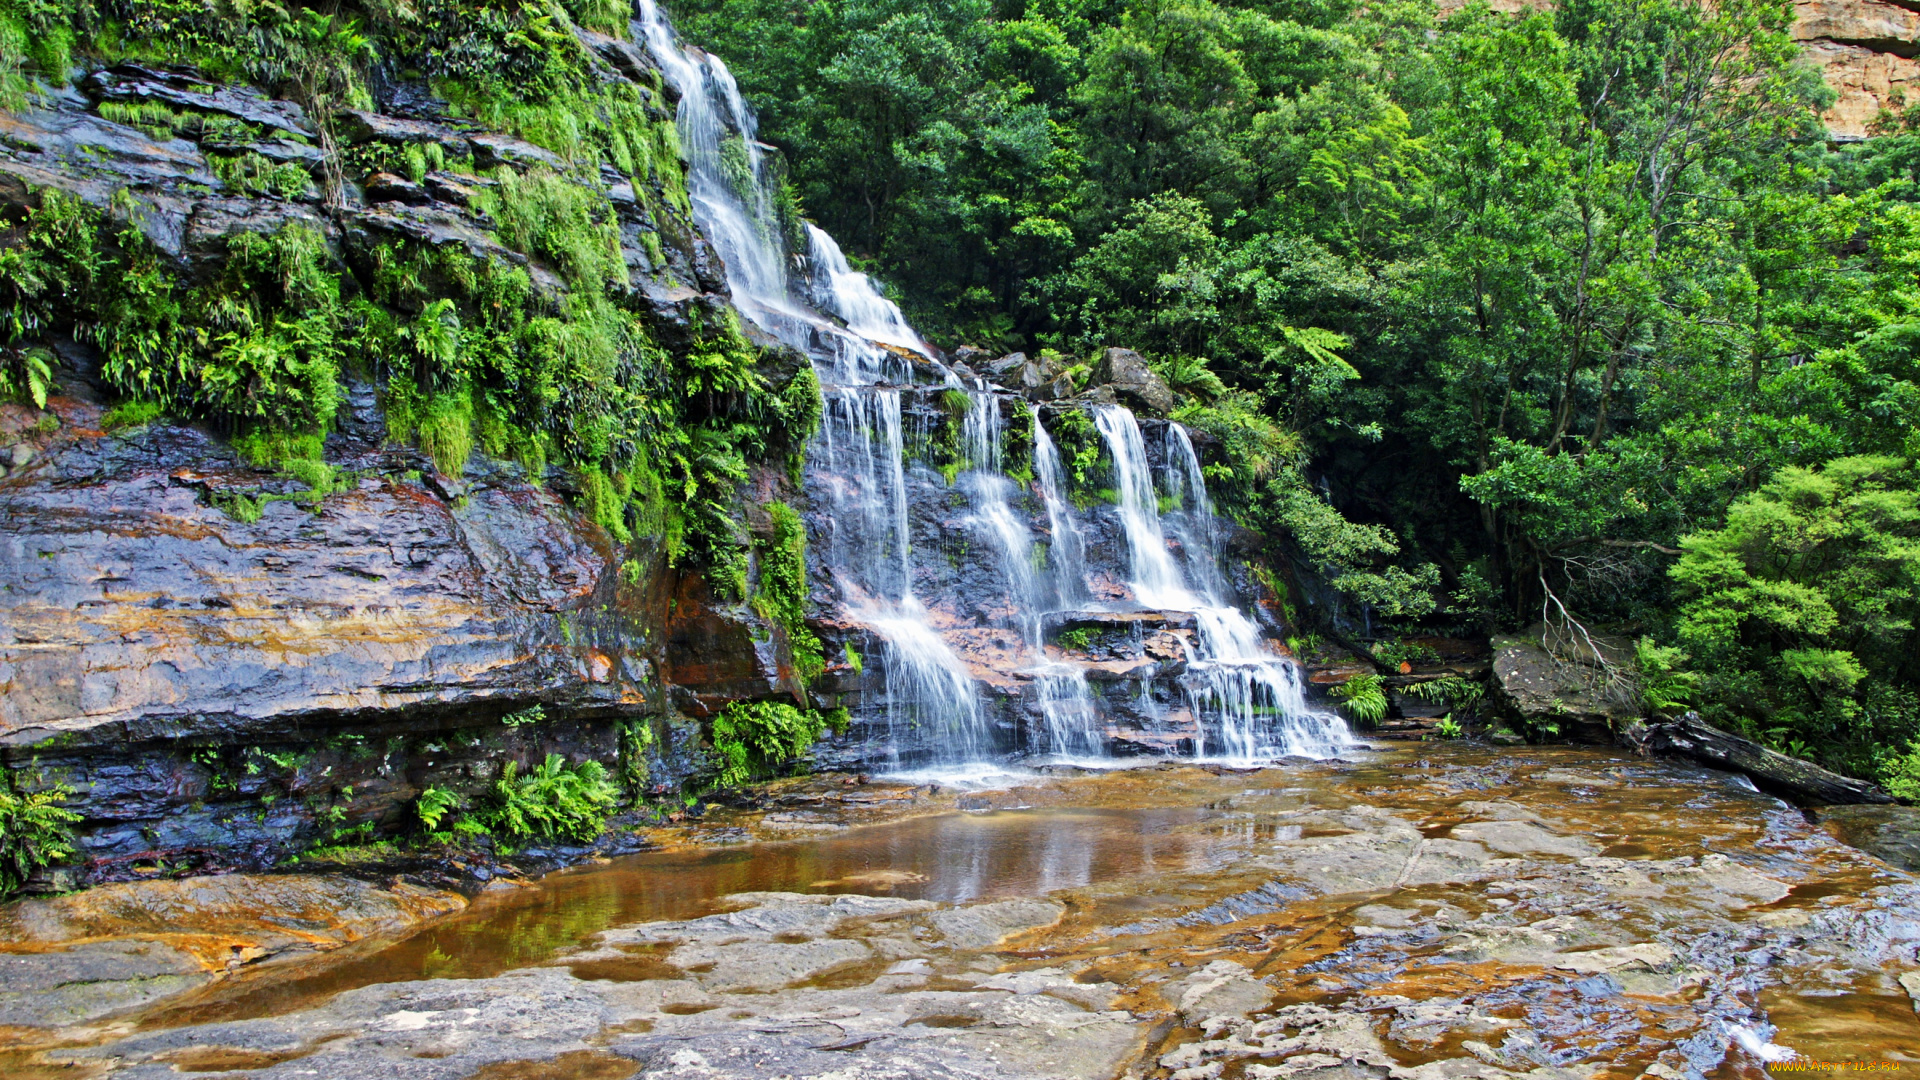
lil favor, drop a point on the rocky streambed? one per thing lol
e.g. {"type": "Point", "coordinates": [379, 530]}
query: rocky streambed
{"type": "Point", "coordinates": [1426, 913]}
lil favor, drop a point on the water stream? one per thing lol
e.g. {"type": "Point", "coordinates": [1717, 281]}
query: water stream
{"type": "Point", "coordinates": [1432, 897]}
{"type": "Point", "coordinates": [955, 667]}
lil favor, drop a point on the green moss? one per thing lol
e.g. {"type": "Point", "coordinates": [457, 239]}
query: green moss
{"type": "Point", "coordinates": [131, 414]}
{"type": "Point", "coordinates": [782, 596]}
{"type": "Point", "coordinates": [237, 505]}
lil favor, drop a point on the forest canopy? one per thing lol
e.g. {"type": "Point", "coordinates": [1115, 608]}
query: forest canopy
{"type": "Point", "coordinates": [1577, 310]}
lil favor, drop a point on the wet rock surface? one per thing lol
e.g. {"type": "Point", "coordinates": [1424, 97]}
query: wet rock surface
{"type": "Point", "coordinates": [220, 693]}
{"type": "Point", "coordinates": [1888, 832]}
{"type": "Point", "coordinates": [76, 958]}
{"type": "Point", "coordinates": [1428, 915]}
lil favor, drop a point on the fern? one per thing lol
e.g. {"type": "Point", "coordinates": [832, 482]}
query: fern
{"type": "Point", "coordinates": [552, 801]}
{"type": "Point", "coordinates": [1362, 698]}
{"type": "Point", "coordinates": [433, 805]}
{"type": "Point", "coordinates": [1451, 690]}
{"type": "Point", "coordinates": [33, 834]}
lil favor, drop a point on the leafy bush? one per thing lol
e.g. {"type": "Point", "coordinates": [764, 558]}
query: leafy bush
{"type": "Point", "coordinates": [1079, 639]}
{"type": "Point", "coordinates": [754, 738]}
{"type": "Point", "coordinates": [26, 375]}
{"type": "Point", "coordinates": [1800, 612]}
{"type": "Point", "coordinates": [33, 833]}
{"type": "Point", "coordinates": [1362, 698]}
{"type": "Point", "coordinates": [1665, 684]}
{"type": "Point", "coordinates": [1448, 727]}
{"type": "Point", "coordinates": [552, 802]}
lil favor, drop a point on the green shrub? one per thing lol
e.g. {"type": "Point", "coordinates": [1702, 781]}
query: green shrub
{"type": "Point", "coordinates": [1801, 612]}
{"type": "Point", "coordinates": [551, 802]}
{"type": "Point", "coordinates": [26, 375]}
{"type": "Point", "coordinates": [1079, 639]}
{"type": "Point", "coordinates": [33, 833]}
{"type": "Point", "coordinates": [754, 738]}
{"type": "Point", "coordinates": [1665, 684]}
{"type": "Point", "coordinates": [1449, 728]}
{"type": "Point", "coordinates": [531, 715]}
{"type": "Point", "coordinates": [1451, 690]}
{"type": "Point", "coordinates": [1362, 698]}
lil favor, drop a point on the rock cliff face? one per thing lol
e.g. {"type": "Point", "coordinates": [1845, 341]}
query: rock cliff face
{"type": "Point", "coordinates": [1868, 51]}
{"type": "Point", "coordinates": [222, 692]}
{"type": "Point", "coordinates": [226, 664]}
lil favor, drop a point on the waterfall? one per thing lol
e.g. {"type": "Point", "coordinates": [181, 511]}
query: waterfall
{"type": "Point", "coordinates": [1066, 544]}
{"type": "Point", "coordinates": [1257, 699]}
{"type": "Point", "coordinates": [851, 295]}
{"type": "Point", "coordinates": [867, 499]}
{"type": "Point", "coordinates": [859, 453]}
{"type": "Point", "coordinates": [1157, 582]}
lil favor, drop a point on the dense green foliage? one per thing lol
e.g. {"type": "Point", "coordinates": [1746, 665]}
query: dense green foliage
{"type": "Point", "coordinates": [1802, 607]}
{"type": "Point", "coordinates": [553, 801]}
{"type": "Point", "coordinates": [658, 422]}
{"type": "Point", "coordinates": [782, 595]}
{"type": "Point", "coordinates": [754, 739]}
{"type": "Point", "coordinates": [1489, 311]}
{"type": "Point", "coordinates": [1362, 698]}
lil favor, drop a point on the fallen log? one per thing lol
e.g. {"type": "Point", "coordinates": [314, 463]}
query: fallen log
{"type": "Point", "coordinates": [1801, 781]}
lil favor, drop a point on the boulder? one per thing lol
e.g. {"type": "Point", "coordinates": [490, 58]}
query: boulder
{"type": "Point", "coordinates": [976, 358]}
{"type": "Point", "coordinates": [1801, 781]}
{"type": "Point", "coordinates": [387, 187]}
{"type": "Point", "coordinates": [1570, 686]}
{"type": "Point", "coordinates": [1133, 383]}
{"type": "Point", "coordinates": [1005, 367]}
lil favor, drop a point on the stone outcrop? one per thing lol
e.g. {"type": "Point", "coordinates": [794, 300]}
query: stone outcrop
{"type": "Point", "coordinates": [1133, 383]}
{"type": "Point", "coordinates": [1564, 685]}
{"type": "Point", "coordinates": [221, 692]}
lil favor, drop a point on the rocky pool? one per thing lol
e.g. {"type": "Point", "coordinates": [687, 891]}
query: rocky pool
{"type": "Point", "coordinates": [1425, 913]}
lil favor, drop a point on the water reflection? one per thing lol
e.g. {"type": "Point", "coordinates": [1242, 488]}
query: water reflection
{"type": "Point", "coordinates": [951, 858]}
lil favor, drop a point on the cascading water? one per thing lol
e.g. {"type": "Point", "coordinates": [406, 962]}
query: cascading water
{"type": "Point", "coordinates": [869, 496]}
{"type": "Point", "coordinates": [1257, 696]}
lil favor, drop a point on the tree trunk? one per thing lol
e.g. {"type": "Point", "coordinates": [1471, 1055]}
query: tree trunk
{"type": "Point", "coordinates": [1802, 781]}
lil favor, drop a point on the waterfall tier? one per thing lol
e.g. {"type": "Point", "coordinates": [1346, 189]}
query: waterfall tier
{"type": "Point", "coordinates": [982, 611]}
